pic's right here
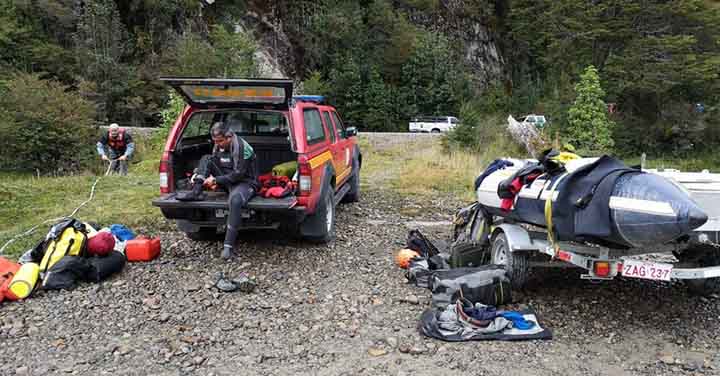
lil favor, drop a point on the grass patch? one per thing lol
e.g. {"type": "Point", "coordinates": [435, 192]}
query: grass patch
{"type": "Point", "coordinates": [26, 200]}
{"type": "Point", "coordinates": [695, 163]}
{"type": "Point", "coordinates": [420, 167]}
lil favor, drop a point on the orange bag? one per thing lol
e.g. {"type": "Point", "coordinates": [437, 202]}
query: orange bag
{"type": "Point", "coordinates": [7, 272]}
{"type": "Point", "coordinates": [142, 249]}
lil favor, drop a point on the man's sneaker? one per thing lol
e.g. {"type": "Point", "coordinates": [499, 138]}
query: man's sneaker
{"type": "Point", "coordinates": [244, 283]}
{"type": "Point", "coordinates": [196, 194]}
{"type": "Point", "coordinates": [190, 196]}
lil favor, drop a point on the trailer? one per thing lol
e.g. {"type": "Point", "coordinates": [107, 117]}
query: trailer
{"type": "Point", "coordinates": [520, 247]}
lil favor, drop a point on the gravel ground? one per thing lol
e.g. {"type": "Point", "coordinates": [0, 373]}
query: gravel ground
{"type": "Point", "coordinates": [343, 309]}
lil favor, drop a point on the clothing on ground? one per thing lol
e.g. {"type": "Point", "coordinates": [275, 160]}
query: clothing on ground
{"type": "Point", "coordinates": [446, 324]}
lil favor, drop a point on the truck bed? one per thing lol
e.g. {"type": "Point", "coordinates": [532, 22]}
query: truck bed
{"type": "Point", "coordinates": [218, 200]}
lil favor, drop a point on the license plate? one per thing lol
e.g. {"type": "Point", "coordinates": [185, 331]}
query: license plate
{"type": "Point", "coordinates": [221, 213]}
{"type": "Point", "coordinates": [646, 270]}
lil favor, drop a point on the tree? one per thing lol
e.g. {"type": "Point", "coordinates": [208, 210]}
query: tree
{"type": "Point", "coordinates": [233, 53]}
{"type": "Point", "coordinates": [589, 130]}
{"type": "Point", "coordinates": [432, 78]}
{"type": "Point", "coordinates": [43, 125]}
{"type": "Point", "coordinates": [347, 89]}
{"type": "Point", "coordinates": [223, 54]}
{"type": "Point", "coordinates": [315, 85]}
{"type": "Point", "coordinates": [378, 107]}
{"type": "Point", "coordinates": [100, 44]}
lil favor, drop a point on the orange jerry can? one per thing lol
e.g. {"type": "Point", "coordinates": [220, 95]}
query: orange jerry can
{"type": "Point", "coordinates": [142, 249]}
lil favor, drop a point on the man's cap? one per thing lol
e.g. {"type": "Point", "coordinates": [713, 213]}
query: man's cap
{"type": "Point", "coordinates": [114, 126]}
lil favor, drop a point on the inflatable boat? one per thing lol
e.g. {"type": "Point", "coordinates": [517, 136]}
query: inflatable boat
{"type": "Point", "coordinates": [596, 200]}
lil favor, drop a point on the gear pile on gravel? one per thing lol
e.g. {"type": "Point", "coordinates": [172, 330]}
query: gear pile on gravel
{"type": "Point", "coordinates": [343, 309]}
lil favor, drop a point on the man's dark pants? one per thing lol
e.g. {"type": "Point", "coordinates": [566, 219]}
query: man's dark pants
{"type": "Point", "coordinates": [238, 197]}
{"type": "Point", "coordinates": [116, 166]}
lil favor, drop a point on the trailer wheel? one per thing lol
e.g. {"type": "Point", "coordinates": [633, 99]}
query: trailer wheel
{"type": "Point", "coordinates": [703, 287]}
{"type": "Point", "coordinates": [515, 263]}
{"type": "Point", "coordinates": [706, 257]}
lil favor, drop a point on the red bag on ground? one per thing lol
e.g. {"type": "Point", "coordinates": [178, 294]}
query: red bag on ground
{"type": "Point", "coordinates": [7, 272]}
{"type": "Point", "coordinates": [142, 249]}
{"type": "Point", "coordinates": [101, 244]}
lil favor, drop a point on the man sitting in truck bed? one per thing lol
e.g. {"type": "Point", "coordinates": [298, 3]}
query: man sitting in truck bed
{"type": "Point", "coordinates": [233, 167]}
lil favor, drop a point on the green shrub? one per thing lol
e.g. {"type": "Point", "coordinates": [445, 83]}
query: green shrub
{"type": "Point", "coordinates": [589, 128]}
{"type": "Point", "coordinates": [481, 133]}
{"type": "Point", "coordinates": [44, 126]}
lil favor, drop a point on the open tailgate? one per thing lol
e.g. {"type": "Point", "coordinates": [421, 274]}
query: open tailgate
{"type": "Point", "coordinates": [218, 200]}
{"type": "Point", "coordinates": [206, 92]}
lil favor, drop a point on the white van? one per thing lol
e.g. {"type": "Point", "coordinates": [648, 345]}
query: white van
{"type": "Point", "coordinates": [433, 124]}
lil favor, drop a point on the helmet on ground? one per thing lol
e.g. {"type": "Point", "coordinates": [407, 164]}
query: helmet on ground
{"type": "Point", "coordinates": [403, 257]}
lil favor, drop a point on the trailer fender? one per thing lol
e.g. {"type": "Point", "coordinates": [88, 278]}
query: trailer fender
{"type": "Point", "coordinates": [517, 237]}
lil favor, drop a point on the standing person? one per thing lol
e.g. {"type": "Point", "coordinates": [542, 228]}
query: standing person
{"type": "Point", "coordinates": [120, 147]}
{"type": "Point", "coordinates": [231, 166]}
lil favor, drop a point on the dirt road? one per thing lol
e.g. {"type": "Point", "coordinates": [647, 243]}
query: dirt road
{"type": "Point", "coordinates": [343, 309]}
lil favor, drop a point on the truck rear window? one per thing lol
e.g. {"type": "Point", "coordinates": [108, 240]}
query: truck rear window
{"type": "Point", "coordinates": [242, 122]}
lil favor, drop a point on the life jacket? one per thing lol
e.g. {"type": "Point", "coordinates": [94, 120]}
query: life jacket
{"type": "Point", "coordinates": [8, 269]}
{"type": "Point", "coordinates": [275, 186]}
{"type": "Point", "coordinates": [118, 142]}
{"type": "Point", "coordinates": [65, 238]}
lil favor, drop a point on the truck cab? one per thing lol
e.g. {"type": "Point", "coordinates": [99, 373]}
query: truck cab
{"type": "Point", "coordinates": [301, 132]}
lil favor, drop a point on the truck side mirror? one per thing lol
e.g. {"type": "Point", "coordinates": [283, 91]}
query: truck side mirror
{"type": "Point", "coordinates": [351, 131]}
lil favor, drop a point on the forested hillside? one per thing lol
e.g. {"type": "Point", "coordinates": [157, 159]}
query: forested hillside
{"type": "Point", "coordinates": [380, 61]}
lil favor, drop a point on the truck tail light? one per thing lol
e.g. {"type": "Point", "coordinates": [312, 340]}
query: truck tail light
{"type": "Point", "coordinates": [165, 173]}
{"type": "Point", "coordinates": [602, 268]}
{"type": "Point", "coordinates": [304, 177]}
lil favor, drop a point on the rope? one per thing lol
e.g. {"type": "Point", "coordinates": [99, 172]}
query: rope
{"type": "Point", "coordinates": [32, 229]}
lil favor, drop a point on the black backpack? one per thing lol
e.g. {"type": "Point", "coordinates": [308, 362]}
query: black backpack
{"type": "Point", "coordinates": [420, 244]}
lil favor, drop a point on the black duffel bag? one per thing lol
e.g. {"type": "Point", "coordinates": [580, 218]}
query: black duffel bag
{"type": "Point", "coordinates": [485, 284]}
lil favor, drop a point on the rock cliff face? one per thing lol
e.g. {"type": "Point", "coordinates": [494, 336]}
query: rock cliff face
{"type": "Point", "coordinates": [274, 56]}
{"type": "Point", "coordinates": [277, 56]}
{"type": "Point", "coordinates": [481, 52]}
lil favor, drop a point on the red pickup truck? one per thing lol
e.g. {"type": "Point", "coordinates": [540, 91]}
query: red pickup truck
{"type": "Point", "coordinates": [280, 128]}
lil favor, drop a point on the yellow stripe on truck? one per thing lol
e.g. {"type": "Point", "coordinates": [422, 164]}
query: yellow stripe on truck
{"type": "Point", "coordinates": [343, 174]}
{"type": "Point", "coordinates": [320, 159]}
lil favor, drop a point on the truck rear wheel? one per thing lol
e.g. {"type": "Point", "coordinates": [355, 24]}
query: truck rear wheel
{"type": "Point", "coordinates": [320, 227]}
{"type": "Point", "coordinates": [515, 263]}
{"type": "Point", "coordinates": [203, 234]}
